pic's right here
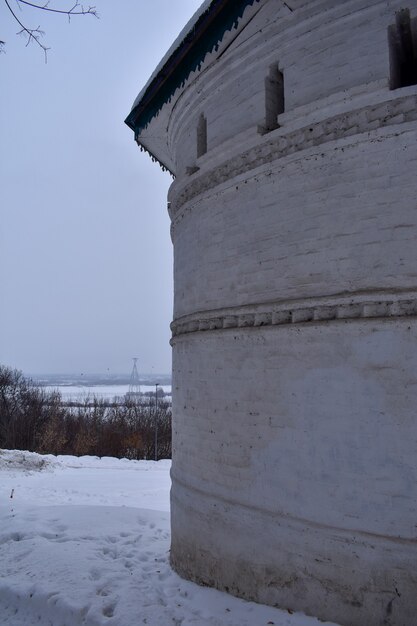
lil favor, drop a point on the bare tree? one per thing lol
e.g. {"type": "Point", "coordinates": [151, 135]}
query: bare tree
{"type": "Point", "coordinates": [35, 34]}
{"type": "Point", "coordinates": [25, 410]}
{"type": "Point", "coordinates": [33, 418]}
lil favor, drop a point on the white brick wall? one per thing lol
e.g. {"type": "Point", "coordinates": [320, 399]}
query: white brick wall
{"type": "Point", "coordinates": [295, 477]}
{"type": "Point", "coordinates": [294, 372]}
{"type": "Point", "coordinates": [321, 222]}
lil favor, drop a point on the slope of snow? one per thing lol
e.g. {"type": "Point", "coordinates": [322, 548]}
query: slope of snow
{"type": "Point", "coordinates": [85, 541]}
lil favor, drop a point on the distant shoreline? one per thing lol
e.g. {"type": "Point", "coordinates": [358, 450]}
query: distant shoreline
{"type": "Point", "coordinates": [94, 380]}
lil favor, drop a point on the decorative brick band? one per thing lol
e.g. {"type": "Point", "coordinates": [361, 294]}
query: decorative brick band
{"type": "Point", "coordinates": [363, 120]}
{"type": "Point", "coordinates": [300, 312]}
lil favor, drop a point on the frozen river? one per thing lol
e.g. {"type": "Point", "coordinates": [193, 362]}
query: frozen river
{"type": "Point", "coordinates": [103, 392]}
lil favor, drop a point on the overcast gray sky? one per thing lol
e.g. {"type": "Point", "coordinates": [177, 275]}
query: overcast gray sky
{"type": "Point", "coordinates": [85, 251]}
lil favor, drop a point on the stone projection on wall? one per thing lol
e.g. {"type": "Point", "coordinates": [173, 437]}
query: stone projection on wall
{"type": "Point", "coordinates": [291, 131]}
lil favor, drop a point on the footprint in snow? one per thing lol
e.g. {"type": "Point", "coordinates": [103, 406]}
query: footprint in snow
{"type": "Point", "coordinates": [142, 522]}
{"type": "Point", "coordinates": [129, 555]}
{"type": "Point", "coordinates": [110, 553]}
{"type": "Point", "coordinates": [163, 575]}
{"type": "Point", "coordinates": [95, 574]}
{"type": "Point", "coordinates": [102, 592]}
{"type": "Point", "coordinates": [144, 556]}
{"type": "Point", "coordinates": [108, 610]}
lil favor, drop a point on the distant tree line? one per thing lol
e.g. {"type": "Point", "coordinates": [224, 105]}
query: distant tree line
{"type": "Point", "coordinates": [35, 419]}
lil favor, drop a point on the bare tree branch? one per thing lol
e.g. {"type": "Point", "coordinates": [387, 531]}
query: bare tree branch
{"type": "Point", "coordinates": [32, 34]}
{"type": "Point", "coordinates": [73, 11]}
{"type": "Point", "coordinates": [35, 34]}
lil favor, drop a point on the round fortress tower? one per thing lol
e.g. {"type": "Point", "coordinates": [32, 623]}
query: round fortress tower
{"type": "Point", "coordinates": [291, 130]}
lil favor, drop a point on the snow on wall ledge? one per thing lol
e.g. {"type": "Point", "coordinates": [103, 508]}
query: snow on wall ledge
{"type": "Point", "coordinates": [295, 314]}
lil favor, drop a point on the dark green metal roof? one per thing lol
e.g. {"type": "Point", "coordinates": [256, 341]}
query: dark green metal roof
{"type": "Point", "coordinates": [204, 36]}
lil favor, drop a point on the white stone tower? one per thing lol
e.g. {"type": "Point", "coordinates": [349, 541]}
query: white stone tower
{"type": "Point", "coordinates": [291, 129]}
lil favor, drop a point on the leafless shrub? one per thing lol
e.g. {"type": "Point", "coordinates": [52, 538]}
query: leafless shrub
{"type": "Point", "coordinates": [36, 420]}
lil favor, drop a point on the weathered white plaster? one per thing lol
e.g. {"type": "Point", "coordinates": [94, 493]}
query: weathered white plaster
{"type": "Point", "coordinates": [294, 480]}
{"type": "Point", "coordinates": [294, 333]}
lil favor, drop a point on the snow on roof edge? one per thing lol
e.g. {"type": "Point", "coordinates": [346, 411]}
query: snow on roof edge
{"type": "Point", "coordinates": [176, 44]}
{"type": "Point", "coordinates": [201, 35]}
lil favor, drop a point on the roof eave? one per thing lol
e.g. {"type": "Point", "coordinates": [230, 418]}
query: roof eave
{"type": "Point", "coordinates": [204, 36]}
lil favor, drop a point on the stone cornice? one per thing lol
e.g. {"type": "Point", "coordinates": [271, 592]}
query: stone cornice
{"type": "Point", "coordinates": [279, 145]}
{"type": "Point", "coordinates": [344, 307]}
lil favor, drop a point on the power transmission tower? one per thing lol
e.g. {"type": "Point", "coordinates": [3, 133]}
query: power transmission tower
{"type": "Point", "coordinates": [134, 385]}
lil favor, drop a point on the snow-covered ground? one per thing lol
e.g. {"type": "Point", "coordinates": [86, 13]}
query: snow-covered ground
{"type": "Point", "coordinates": [85, 541]}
